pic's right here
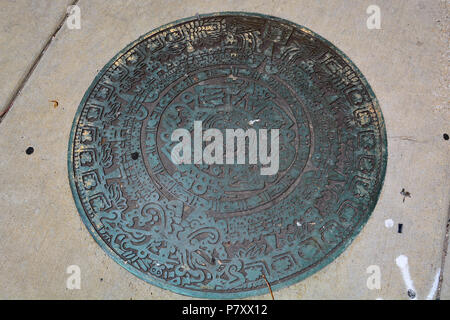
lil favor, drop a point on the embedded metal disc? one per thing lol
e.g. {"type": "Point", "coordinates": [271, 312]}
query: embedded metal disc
{"type": "Point", "coordinates": [222, 230]}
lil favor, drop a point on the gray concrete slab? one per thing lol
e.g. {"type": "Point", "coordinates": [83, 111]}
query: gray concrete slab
{"type": "Point", "coordinates": [25, 27]}
{"type": "Point", "coordinates": [41, 232]}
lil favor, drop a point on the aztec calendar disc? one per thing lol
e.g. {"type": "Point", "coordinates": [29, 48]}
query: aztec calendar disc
{"type": "Point", "coordinates": [226, 230]}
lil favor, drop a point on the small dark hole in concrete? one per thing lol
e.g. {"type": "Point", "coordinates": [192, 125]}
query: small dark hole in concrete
{"type": "Point", "coordinates": [29, 150]}
{"type": "Point", "coordinates": [446, 137]}
{"type": "Point", "coordinates": [400, 227]}
{"type": "Point", "coordinates": [411, 294]}
{"type": "Point", "coordinates": [135, 156]}
{"type": "Point", "coordinates": [101, 279]}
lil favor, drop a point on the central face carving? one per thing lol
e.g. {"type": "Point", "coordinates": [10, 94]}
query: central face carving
{"type": "Point", "coordinates": [226, 102]}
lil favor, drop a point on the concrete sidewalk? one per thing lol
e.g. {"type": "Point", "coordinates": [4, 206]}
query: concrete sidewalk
{"type": "Point", "coordinates": [41, 59]}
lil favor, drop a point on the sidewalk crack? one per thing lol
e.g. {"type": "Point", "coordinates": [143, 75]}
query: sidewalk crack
{"type": "Point", "coordinates": [36, 61]}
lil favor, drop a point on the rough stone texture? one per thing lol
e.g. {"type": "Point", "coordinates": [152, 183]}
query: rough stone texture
{"type": "Point", "coordinates": [40, 228]}
{"type": "Point", "coordinates": [25, 26]}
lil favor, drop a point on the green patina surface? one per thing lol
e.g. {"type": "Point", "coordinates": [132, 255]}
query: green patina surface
{"type": "Point", "coordinates": [217, 231]}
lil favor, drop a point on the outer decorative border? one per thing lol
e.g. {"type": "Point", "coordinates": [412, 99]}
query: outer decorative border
{"type": "Point", "coordinates": [242, 294]}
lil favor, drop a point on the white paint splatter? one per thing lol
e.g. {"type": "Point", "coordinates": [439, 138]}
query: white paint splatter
{"type": "Point", "coordinates": [402, 263]}
{"type": "Point", "coordinates": [251, 122]}
{"type": "Point", "coordinates": [389, 223]}
{"type": "Point", "coordinates": [435, 285]}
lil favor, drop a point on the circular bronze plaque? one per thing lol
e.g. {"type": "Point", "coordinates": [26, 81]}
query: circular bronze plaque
{"type": "Point", "coordinates": [221, 229]}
